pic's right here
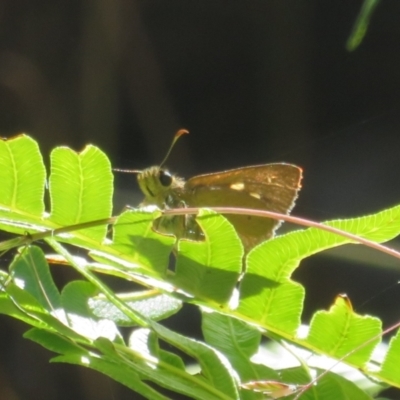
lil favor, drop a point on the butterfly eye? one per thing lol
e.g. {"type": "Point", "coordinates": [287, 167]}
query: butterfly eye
{"type": "Point", "coordinates": [165, 178]}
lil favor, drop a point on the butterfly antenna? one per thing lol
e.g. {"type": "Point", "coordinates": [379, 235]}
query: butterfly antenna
{"type": "Point", "coordinates": [127, 171]}
{"type": "Point", "coordinates": [174, 140]}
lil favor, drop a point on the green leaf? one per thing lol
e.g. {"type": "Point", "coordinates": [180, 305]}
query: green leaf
{"type": "Point", "coordinates": [149, 303]}
{"type": "Point", "coordinates": [145, 341]}
{"type": "Point", "coordinates": [334, 387]}
{"type": "Point", "coordinates": [360, 27]}
{"type": "Point", "coordinates": [215, 368]}
{"type": "Point", "coordinates": [283, 254]}
{"type": "Point", "coordinates": [340, 330]}
{"type": "Point", "coordinates": [143, 358]}
{"type": "Point", "coordinates": [75, 298]}
{"type": "Point", "coordinates": [34, 311]}
{"type": "Point", "coordinates": [81, 188]}
{"type": "Point", "coordinates": [268, 296]}
{"type": "Point", "coordinates": [210, 269]}
{"type": "Point", "coordinates": [74, 354]}
{"type": "Point", "coordinates": [135, 241]}
{"type": "Point", "coordinates": [265, 297]}
{"type": "Point", "coordinates": [390, 369]}
{"type": "Point", "coordinates": [22, 177]}
{"type": "Point", "coordinates": [31, 272]}
{"type": "Point", "coordinates": [330, 386]}
{"type": "Point", "coordinates": [54, 342]}
{"type": "Point", "coordinates": [117, 371]}
{"type": "Point", "coordinates": [10, 307]}
{"type": "Point", "coordinates": [238, 342]}
{"type": "Point", "coordinates": [87, 174]}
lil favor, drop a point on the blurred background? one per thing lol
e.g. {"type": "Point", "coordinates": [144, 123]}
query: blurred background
{"type": "Point", "coordinates": [253, 81]}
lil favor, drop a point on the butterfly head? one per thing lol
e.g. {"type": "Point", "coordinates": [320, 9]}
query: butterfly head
{"type": "Point", "coordinates": [158, 185]}
{"type": "Point", "coordinates": [160, 188]}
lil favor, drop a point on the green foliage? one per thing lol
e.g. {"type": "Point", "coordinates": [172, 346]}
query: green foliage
{"type": "Point", "coordinates": [82, 322]}
{"type": "Point", "coordinates": [361, 24]}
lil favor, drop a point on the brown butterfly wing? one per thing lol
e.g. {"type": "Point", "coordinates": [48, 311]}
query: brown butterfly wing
{"type": "Point", "coordinates": [271, 187]}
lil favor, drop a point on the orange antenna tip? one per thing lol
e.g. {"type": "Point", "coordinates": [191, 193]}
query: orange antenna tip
{"type": "Point", "coordinates": [180, 133]}
{"type": "Point", "coordinates": [174, 140]}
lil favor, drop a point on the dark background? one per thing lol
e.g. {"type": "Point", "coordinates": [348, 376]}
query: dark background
{"type": "Point", "coordinates": [254, 81]}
